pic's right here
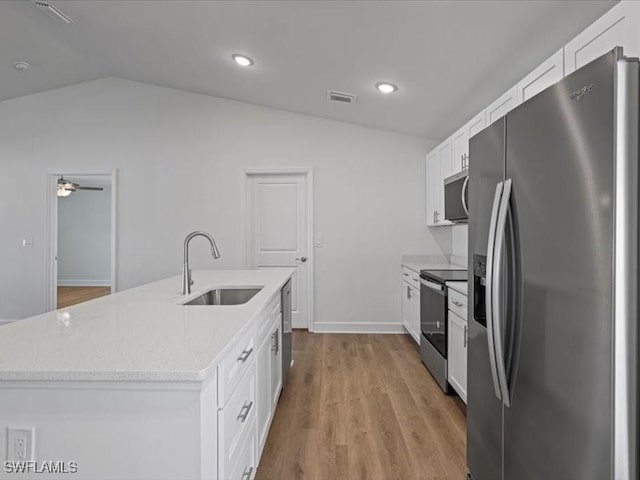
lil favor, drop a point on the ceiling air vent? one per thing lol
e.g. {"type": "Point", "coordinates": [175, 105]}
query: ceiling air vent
{"type": "Point", "coordinates": [341, 97]}
{"type": "Point", "coordinates": [51, 11]}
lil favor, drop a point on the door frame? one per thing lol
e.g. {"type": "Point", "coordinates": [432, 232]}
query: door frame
{"type": "Point", "coordinates": [247, 249]}
{"type": "Point", "coordinates": [52, 230]}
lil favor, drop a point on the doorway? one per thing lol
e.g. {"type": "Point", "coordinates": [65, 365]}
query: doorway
{"type": "Point", "coordinates": [82, 230]}
{"type": "Point", "coordinates": [278, 231]}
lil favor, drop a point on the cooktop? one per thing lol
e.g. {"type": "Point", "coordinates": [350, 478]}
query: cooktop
{"type": "Point", "coordinates": [445, 275]}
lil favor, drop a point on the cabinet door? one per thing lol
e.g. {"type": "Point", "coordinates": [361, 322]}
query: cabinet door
{"type": "Point", "coordinates": [263, 393]}
{"type": "Point", "coordinates": [414, 321]}
{"type": "Point", "coordinates": [446, 170]}
{"type": "Point", "coordinates": [276, 364]}
{"type": "Point", "coordinates": [460, 149]}
{"type": "Point", "coordinates": [406, 306]}
{"type": "Point", "coordinates": [503, 105]}
{"type": "Point", "coordinates": [476, 124]}
{"type": "Point", "coordinates": [618, 27]}
{"type": "Point", "coordinates": [548, 73]}
{"type": "Point", "coordinates": [433, 179]}
{"type": "Point", "coordinates": [457, 358]}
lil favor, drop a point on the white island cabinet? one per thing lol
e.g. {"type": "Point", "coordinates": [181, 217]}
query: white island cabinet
{"type": "Point", "coordinates": [137, 385]}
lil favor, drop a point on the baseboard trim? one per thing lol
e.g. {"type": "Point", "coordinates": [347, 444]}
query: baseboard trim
{"type": "Point", "coordinates": [84, 283]}
{"type": "Point", "coordinates": [357, 327]}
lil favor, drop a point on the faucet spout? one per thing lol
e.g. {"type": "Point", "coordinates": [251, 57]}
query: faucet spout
{"type": "Point", "coordinates": [186, 271]}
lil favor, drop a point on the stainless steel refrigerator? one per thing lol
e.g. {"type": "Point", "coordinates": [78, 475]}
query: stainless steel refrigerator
{"type": "Point", "coordinates": [553, 237]}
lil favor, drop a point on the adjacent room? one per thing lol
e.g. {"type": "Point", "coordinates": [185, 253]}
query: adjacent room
{"type": "Point", "coordinates": [319, 239]}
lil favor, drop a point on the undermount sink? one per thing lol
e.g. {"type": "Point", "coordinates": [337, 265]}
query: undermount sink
{"type": "Point", "coordinates": [225, 296]}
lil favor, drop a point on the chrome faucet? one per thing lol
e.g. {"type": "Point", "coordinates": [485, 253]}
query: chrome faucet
{"type": "Point", "coordinates": [186, 271]}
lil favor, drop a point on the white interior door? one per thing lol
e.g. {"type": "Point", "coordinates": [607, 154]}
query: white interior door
{"type": "Point", "coordinates": [279, 233]}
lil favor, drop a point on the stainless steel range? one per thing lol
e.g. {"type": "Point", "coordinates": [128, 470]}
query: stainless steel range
{"type": "Point", "coordinates": [433, 321]}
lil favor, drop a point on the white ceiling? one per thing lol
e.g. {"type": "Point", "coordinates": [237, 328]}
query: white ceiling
{"type": "Point", "coordinates": [449, 59]}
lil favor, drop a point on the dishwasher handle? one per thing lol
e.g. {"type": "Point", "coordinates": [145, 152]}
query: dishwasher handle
{"type": "Point", "coordinates": [438, 287]}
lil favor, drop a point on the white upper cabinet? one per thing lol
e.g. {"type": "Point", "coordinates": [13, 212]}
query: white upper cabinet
{"type": "Point", "coordinates": [477, 123]}
{"type": "Point", "coordinates": [446, 167]}
{"type": "Point", "coordinates": [502, 105]}
{"type": "Point", "coordinates": [433, 179]}
{"type": "Point", "coordinates": [548, 73]}
{"type": "Point", "coordinates": [438, 167]}
{"type": "Point", "coordinates": [620, 26]}
{"type": "Point", "coordinates": [460, 149]}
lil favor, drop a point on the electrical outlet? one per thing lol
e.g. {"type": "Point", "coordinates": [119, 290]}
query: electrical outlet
{"type": "Point", "coordinates": [20, 443]}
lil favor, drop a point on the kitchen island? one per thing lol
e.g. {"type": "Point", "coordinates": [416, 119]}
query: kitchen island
{"type": "Point", "coordinates": [139, 385]}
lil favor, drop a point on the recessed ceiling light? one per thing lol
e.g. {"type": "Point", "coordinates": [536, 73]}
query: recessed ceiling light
{"type": "Point", "coordinates": [384, 87]}
{"type": "Point", "coordinates": [21, 66]}
{"type": "Point", "coordinates": [242, 60]}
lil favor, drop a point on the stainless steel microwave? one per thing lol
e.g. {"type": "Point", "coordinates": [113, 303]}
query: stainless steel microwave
{"type": "Point", "coordinates": [456, 197]}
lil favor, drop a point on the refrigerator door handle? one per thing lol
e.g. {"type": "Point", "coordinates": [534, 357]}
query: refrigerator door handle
{"type": "Point", "coordinates": [496, 290]}
{"type": "Point", "coordinates": [489, 287]}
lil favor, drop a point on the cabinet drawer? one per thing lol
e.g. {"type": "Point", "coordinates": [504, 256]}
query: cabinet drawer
{"type": "Point", "coordinates": [411, 277]}
{"type": "Point", "coordinates": [458, 303]}
{"type": "Point", "coordinates": [236, 421]}
{"type": "Point", "coordinates": [246, 465]}
{"type": "Point", "coordinates": [233, 365]}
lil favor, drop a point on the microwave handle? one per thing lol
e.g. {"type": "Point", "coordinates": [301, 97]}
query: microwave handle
{"type": "Point", "coordinates": [463, 194]}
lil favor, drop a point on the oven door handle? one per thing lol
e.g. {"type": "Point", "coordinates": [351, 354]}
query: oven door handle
{"type": "Point", "coordinates": [432, 285]}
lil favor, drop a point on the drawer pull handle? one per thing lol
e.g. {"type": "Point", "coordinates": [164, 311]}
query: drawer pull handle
{"type": "Point", "coordinates": [406, 274]}
{"type": "Point", "coordinates": [415, 279]}
{"type": "Point", "coordinates": [457, 304]}
{"type": "Point", "coordinates": [247, 473]}
{"type": "Point", "coordinates": [244, 355]}
{"type": "Point", "coordinates": [244, 411]}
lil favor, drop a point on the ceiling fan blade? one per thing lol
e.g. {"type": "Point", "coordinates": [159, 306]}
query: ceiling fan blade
{"type": "Point", "coordinates": [90, 188]}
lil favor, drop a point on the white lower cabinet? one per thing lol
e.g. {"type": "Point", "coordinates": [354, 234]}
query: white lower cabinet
{"type": "Point", "coordinates": [247, 464]}
{"type": "Point", "coordinates": [269, 360]}
{"type": "Point", "coordinates": [236, 423]}
{"type": "Point", "coordinates": [245, 413]}
{"type": "Point", "coordinates": [457, 358]}
{"type": "Point", "coordinates": [263, 391]}
{"type": "Point", "coordinates": [411, 305]}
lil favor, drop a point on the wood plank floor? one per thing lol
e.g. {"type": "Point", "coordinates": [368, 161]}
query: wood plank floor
{"type": "Point", "coordinates": [363, 407]}
{"type": "Point", "coordinates": [68, 296]}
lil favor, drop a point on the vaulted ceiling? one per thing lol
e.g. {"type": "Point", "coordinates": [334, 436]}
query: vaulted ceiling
{"type": "Point", "coordinates": [449, 59]}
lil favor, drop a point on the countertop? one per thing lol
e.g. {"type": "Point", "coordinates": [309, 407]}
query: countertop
{"type": "Point", "coordinates": [141, 334]}
{"type": "Point", "coordinates": [461, 287]}
{"type": "Point", "coordinates": [433, 262]}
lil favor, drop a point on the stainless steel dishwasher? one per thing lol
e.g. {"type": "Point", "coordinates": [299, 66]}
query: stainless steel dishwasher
{"type": "Point", "coordinates": [286, 331]}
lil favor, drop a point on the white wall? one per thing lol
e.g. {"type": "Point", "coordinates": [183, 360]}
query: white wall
{"type": "Point", "coordinates": [84, 237]}
{"type": "Point", "coordinates": [180, 157]}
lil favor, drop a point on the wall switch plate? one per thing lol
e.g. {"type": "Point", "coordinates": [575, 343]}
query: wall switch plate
{"type": "Point", "coordinates": [20, 443]}
{"type": "Point", "coordinates": [318, 242]}
{"type": "Point", "coordinates": [27, 242]}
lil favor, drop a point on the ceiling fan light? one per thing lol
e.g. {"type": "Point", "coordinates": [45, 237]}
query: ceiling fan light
{"type": "Point", "coordinates": [63, 192]}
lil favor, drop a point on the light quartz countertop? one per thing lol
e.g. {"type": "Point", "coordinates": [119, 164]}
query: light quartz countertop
{"type": "Point", "coordinates": [461, 287]}
{"type": "Point", "coordinates": [141, 334]}
{"type": "Point", "coordinates": [433, 262]}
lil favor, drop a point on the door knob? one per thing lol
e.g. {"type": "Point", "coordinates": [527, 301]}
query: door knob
{"type": "Point", "coordinates": [302, 259]}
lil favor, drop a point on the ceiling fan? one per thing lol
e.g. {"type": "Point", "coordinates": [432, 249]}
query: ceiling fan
{"type": "Point", "coordinates": [67, 187]}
